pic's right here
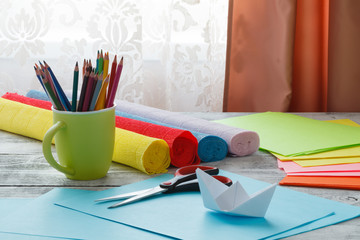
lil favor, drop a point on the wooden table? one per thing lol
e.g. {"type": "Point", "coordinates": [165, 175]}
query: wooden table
{"type": "Point", "coordinates": [24, 173]}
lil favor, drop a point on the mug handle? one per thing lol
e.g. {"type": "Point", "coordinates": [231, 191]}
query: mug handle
{"type": "Point", "coordinates": [46, 146]}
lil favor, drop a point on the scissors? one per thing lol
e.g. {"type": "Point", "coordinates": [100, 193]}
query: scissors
{"type": "Point", "coordinates": [184, 180]}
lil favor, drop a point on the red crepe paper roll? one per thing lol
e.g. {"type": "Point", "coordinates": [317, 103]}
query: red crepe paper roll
{"type": "Point", "coordinates": [29, 101]}
{"type": "Point", "coordinates": [183, 145]}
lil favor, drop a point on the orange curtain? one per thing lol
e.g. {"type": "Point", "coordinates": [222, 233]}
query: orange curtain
{"type": "Point", "coordinates": [288, 55]}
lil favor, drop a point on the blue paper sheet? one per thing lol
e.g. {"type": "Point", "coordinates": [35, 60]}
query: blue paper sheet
{"type": "Point", "coordinates": [42, 217]}
{"type": "Point", "coordinates": [182, 215]}
{"type": "Point", "coordinates": [9, 205]}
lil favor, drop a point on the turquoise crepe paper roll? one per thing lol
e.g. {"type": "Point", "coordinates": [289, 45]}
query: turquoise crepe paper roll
{"type": "Point", "coordinates": [211, 148]}
{"type": "Point", "coordinates": [37, 95]}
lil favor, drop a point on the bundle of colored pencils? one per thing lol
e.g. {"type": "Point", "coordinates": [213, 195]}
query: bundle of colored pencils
{"type": "Point", "coordinates": [98, 88]}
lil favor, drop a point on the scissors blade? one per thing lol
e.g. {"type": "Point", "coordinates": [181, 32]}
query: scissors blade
{"type": "Point", "coordinates": [146, 194]}
{"type": "Point", "coordinates": [122, 196]}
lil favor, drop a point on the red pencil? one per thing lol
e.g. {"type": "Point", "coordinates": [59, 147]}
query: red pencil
{"type": "Point", "coordinates": [112, 76]}
{"type": "Point", "coordinates": [112, 94]}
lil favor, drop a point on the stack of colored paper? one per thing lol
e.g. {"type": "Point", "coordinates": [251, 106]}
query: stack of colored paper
{"type": "Point", "coordinates": [312, 152]}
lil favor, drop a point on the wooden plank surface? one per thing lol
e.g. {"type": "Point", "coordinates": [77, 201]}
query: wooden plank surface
{"type": "Point", "coordinates": [24, 173]}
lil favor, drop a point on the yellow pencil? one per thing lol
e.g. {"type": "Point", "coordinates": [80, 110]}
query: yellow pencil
{"type": "Point", "coordinates": [100, 103]}
{"type": "Point", "coordinates": [106, 65]}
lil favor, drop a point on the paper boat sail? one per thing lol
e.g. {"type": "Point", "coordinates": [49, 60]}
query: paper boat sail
{"type": "Point", "coordinates": [233, 200]}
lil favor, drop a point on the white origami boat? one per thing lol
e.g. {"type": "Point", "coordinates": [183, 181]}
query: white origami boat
{"type": "Point", "coordinates": [233, 200]}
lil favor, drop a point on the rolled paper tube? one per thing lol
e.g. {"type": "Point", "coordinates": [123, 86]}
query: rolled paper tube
{"type": "Point", "coordinates": [149, 155]}
{"type": "Point", "coordinates": [240, 142]}
{"type": "Point", "coordinates": [37, 95]}
{"type": "Point", "coordinates": [210, 147]}
{"type": "Point", "coordinates": [41, 102]}
{"type": "Point", "coordinates": [183, 145]}
{"type": "Point", "coordinates": [24, 120]}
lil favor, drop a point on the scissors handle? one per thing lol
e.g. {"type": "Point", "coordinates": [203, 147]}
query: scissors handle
{"type": "Point", "coordinates": [186, 174]}
{"type": "Point", "coordinates": [193, 185]}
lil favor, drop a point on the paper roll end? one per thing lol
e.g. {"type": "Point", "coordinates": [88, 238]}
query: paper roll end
{"type": "Point", "coordinates": [244, 143]}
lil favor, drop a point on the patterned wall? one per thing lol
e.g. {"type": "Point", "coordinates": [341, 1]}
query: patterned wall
{"type": "Point", "coordinates": [174, 51]}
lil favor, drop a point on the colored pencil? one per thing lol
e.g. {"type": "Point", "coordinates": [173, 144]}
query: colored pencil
{"type": "Point", "coordinates": [112, 76]}
{"type": "Point", "coordinates": [89, 91]}
{"type": "Point", "coordinates": [37, 71]}
{"type": "Point", "coordinates": [112, 94]}
{"type": "Point", "coordinates": [50, 92]}
{"type": "Point", "coordinates": [83, 89]}
{"type": "Point", "coordinates": [101, 63]}
{"type": "Point", "coordinates": [43, 71]}
{"type": "Point", "coordinates": [97, 61]}
{"type": "Point", "coordinates": [98, 84]}
{"type": "Point", "coordinates": [42, 77]}
{"type": "Point", "coordinates": [75, 87]}
{"type": "Point", "coordinates": [100, 103]}
{"type": "Point", "coordinates": [63, 99]}
{"type": "Point", "coordinates": [84, 68]}
{"type": "Point", "coordinates": [106, 65]}
{"type": "Point", "coordinates": [48, 78]}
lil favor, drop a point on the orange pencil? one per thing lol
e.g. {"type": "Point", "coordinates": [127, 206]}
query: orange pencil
{"type": "Point", "coordinates": [84, 68]}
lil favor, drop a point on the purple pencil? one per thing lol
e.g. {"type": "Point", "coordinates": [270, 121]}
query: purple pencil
{"type": "Point", "coordinates": [89, 91]}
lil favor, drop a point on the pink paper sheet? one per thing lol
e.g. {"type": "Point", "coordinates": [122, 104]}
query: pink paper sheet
{"type": "Point", "coordinates": [291, 167]}
{"type": "Point", "coordinates": [327, 174]}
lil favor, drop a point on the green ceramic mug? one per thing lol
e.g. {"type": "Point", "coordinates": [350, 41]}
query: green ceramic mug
{"type": "Point", "coordinates": [84, 143]}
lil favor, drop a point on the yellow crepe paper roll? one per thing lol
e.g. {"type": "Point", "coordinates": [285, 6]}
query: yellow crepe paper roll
{"type": "Point", "coordinates": [149, 155]}
{"type": "Point", "coordinates": [24, 119]}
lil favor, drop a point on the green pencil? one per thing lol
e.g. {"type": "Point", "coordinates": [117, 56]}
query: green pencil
{"type": "Point", "coordinates": [52, 95]}
{"type": "Point", "coordinates": [101, 63]}
{"type": "Point", "coordinates": [75, 88]}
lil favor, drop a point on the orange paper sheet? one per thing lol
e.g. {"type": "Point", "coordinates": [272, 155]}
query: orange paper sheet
{"type": "Point", "coordinates": [324, 182]}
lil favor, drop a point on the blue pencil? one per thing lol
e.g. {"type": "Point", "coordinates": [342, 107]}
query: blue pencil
{"type": "Point", "coordinates": [96, 92]}
{"type": "Point", "coordinates": [59, 90]}
{"type": "Point", "coordinates": [37, 71]}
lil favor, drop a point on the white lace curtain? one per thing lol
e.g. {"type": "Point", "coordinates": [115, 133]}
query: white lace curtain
{"type": "Point", "coordinates": [174, 51]}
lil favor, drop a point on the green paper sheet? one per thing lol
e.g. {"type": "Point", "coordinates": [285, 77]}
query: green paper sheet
{"type": "Point", "coordinates": [292, 135]}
